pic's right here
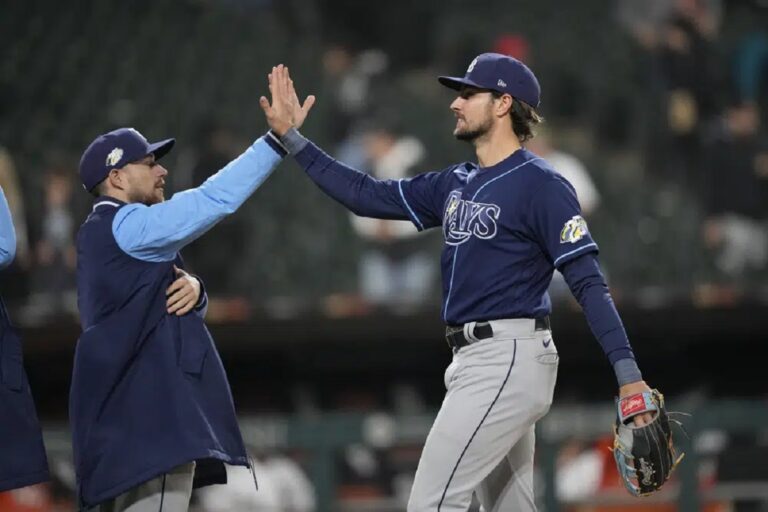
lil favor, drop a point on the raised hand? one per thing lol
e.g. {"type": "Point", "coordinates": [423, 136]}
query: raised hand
{"type": "Point", "coordinates": [299, 111]}
{"type": "Point", "coordinates": [285, 111]}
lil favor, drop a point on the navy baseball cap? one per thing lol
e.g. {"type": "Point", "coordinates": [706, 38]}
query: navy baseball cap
{"type": "Point", "coordinates": [500, 73]}
{"type": "Point", "coordinates": [114, 150]}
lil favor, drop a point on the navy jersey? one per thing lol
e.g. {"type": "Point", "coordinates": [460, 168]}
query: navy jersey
{"type": "Point", "coordinates": [506, 227]}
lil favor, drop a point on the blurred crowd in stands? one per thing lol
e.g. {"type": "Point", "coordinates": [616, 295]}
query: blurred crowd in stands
{"type": "Point", "coordinates": [656, 113]}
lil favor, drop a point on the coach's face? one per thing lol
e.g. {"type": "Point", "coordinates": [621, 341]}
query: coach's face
{"type": "Point", "coordinates": [473, 109]}
{"type": "Point", "coordinates": [144, 181]}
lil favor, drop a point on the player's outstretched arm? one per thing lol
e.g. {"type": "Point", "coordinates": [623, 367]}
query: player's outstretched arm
{"type": "Point", "coordinates": [408, 199]}
{"type": "Point", "coordinates": [7, 233]}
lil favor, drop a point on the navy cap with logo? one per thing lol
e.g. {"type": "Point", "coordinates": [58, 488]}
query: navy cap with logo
{"type": "Point", "coordinates": [501, 73]}
{"type": "Point", "coordinates": [114, 150]}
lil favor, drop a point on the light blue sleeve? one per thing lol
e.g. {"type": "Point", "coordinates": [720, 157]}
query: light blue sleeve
{"type": "Point", "coordinates": [156, 233]}
{"type": "Point", "coordinates": [7, 234]}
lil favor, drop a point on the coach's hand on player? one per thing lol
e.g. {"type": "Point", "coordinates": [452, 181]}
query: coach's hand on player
{"type": "Point", "coordinates": [634, 388]}
{"type": "Point", "coordinates": [183, 294]}
{"type": "Point", "coordinates": [285, 111]}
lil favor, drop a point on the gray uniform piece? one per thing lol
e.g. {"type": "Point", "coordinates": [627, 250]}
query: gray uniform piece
{"type": "Point", "coordinates": [483, 437]}
{"type": "Point", "coordinates": [167, 493]}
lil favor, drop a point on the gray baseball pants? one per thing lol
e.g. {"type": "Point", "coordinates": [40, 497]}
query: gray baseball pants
{"type": "Point", "coordinates": [170, 492]}
{"type": "Point", "coordinates": [482, 440]}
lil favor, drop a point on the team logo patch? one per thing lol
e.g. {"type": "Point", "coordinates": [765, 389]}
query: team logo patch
{"type": "Point", "coordinates": [501, 83]}
{"type": "Point", "coordinates": [464, 219]}
{"type": "Point", "coordinates": [114, 156]}
{"type": "Point", "coordinates": [472, 65]}
{"type": "Point", "coordinates": [574, 230]}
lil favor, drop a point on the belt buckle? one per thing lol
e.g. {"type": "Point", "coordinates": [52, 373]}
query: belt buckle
{"type": "Point", "coordinates": [450, 330]}
{"type": "Point", "coordinates": [449, 333]}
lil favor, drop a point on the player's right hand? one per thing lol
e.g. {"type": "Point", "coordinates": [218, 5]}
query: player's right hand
{"type": "Point", "coordinates": [284, 112]}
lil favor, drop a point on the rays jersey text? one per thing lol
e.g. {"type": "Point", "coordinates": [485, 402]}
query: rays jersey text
{"type": "Point", "coordinates": [463, 219]}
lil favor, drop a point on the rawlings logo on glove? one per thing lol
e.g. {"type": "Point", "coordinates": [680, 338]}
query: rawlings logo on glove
{"type": "Point", "coordinates": [632, 405]}
{"type": "Point", "coordinates": [645, 456]}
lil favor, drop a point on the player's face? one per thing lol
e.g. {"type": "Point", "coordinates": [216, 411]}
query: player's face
{"type": "Point", "coordinates": [145, 181]}
{"type": "Point", "coordinates": [473, 109]}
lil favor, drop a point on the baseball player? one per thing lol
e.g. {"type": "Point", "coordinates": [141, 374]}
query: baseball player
{"type": "Point", "coordinates": [22, 454]}
{"type": "Point", "coordinates": [508, 221]}
{"type": "Point", "coordinates": [150, 406]}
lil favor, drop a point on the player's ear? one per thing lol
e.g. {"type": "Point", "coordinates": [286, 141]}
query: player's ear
{"type": "Point", "coordinates": [504, 105]}
{"type": "Point", "coordinates": [115, 179]}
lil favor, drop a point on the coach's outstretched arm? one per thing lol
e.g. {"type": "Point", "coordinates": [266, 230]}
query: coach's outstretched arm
{"type": "Point", "coordinates": [7, 233]}
{"type": "Point", "coordinates": [158, 232]}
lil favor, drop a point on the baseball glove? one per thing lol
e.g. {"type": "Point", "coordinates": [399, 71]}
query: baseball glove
{"type": "Point", "coordinates": [645, 456]}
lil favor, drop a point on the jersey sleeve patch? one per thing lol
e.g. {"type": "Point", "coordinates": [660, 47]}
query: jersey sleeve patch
{"type": "Point", "coordinates": [574, 230]}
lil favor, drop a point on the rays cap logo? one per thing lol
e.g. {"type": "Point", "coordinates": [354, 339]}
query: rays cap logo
{"type": "Point", "coordinates": [114, 150]}
{"type": "Point", "coordinates": [114, 156]}
{"type": "Point", "coordinates": [501, 73]}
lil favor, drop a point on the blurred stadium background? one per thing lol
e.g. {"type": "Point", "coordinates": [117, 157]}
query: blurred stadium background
{"type": "Point", "coordinates": [329, 326]}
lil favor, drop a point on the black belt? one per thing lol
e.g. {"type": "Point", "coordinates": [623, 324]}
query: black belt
{"type": "Point", "coordinates": [482, 330]}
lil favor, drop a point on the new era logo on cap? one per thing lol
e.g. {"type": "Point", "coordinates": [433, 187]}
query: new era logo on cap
{"type": "Point", "coordinates": [114, 150]}
{"type": "Point", "coordinates": [501, 73]}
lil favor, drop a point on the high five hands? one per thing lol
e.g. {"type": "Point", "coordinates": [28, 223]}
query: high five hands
{"type": "Point", "coordinates": [285, 111]}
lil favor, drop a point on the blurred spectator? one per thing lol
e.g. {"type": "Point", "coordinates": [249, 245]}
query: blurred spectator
{"type": "Point", "coordinates": [750, 58]}
{"type": "Point", "coordinates": [33, 498]}
{"type": "Point", "coordinates": [54, 258]}
{"type": "Point", "coordinates": [294, 491]}
{"type": "Point", "coordinates": [239, 493]}
{"type": "Point", "coordinates": [579, 469]}
{"type": "Point", "coordinates": [349, 84]}
{"type": "Point", "coordinates": [395, 269]}
{"type": "Point", "coordinates": [364, 473]}
{"type": "Point", "coordinates": [57, 495]}
{"type": "Point", "coordinates": [688, 73]}
{"type": "Point", "coordinates": [569, 167]}
{"type": "Point", "coordinates": [283, 487]}
{"type": "Point", "coordinates": [14, 286]}
{"type": "Point", "coordinates": [217, 147]}
{"type": "Point", "coordinates": [736, 182]}
{"type": "Point", "coordinates": [514, 45]}
{"type": "Point", "coordinates": [752, 66]}
{"type": "Point", "coordinates": [683, 72]}
{"type": "Point", "coordinates": [645, 20]}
